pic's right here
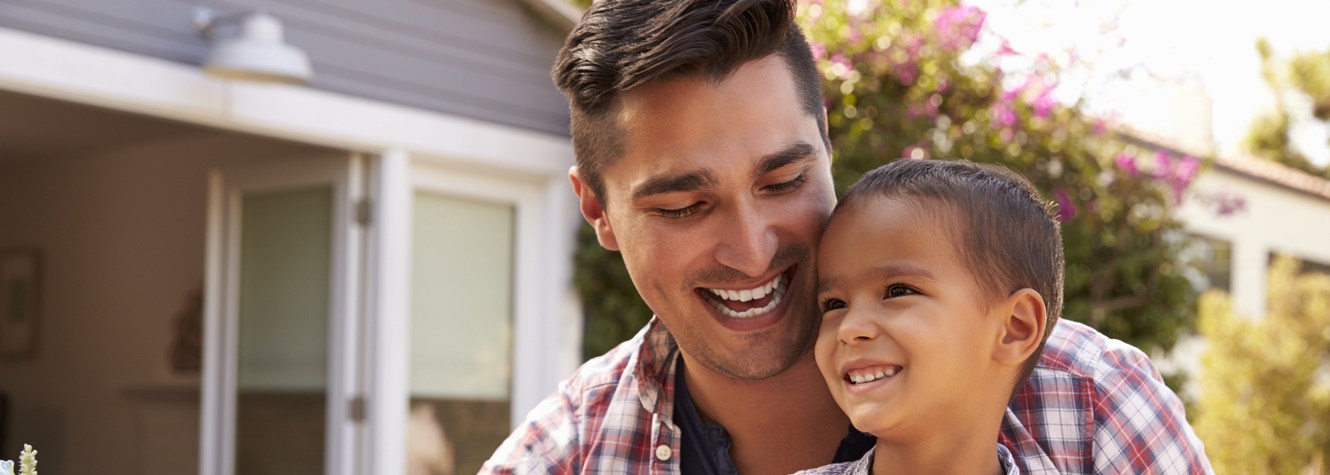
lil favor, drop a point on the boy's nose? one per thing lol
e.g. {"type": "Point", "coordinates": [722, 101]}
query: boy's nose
{"type": "Point", "coordinates": [857, 326]}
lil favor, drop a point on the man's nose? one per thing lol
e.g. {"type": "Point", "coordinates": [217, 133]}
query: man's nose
{"type": "Point", "coordinates": [748, 242]}
{"type": "Point", "coordinates": [857, 326]}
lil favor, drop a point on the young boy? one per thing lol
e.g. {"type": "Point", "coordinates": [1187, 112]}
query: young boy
{"type": "Point", "coordinates": [939, 283]}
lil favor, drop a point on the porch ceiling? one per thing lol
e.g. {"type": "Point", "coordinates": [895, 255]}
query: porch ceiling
{"type": "Point", "coordinates": [39, 128]}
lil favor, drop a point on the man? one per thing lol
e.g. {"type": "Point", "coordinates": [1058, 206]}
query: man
{"type": "Point", "coordinates": [702, 156]}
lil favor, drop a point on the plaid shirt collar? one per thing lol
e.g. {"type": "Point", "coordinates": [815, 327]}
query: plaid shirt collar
{"type": "Point", "coordinates": [654, 369]}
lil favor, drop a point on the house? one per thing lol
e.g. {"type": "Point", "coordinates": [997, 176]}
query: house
{"type": "Point", "coordinates": [1239, 213]}
{"type": "Point", "coordinates": [366, 274]}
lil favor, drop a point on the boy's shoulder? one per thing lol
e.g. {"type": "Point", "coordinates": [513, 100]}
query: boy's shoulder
{"type": "Point", "coordinates": [1075, 350]}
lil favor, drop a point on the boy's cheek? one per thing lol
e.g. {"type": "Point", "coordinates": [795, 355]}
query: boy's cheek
{"type": "Point", "coordinates": [825, 351]}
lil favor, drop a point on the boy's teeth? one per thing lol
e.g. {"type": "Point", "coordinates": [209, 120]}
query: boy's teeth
{"type": "Point", "coordinates": [858, 376]}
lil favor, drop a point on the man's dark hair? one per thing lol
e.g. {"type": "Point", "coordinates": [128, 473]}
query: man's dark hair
{"type": "Point", "coordinates": [621, 44]}
{"type": "Point", "coordinates": [1001, 228]}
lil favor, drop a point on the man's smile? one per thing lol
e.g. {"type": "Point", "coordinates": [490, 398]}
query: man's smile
{"type": "Point", "coordinates": [758, 301]}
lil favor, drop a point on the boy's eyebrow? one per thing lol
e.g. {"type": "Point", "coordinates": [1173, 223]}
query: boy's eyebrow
{"type": "Point", "coordinates": [826, 284]}
{"type": "Point", "coordinates": [898, 270]}
{"type": "Point", "coordinates": [885, 272]}
{"type": "Point", "coordinates": [775, 161]}
{"type": "Point", "coordinates": [691, 181]}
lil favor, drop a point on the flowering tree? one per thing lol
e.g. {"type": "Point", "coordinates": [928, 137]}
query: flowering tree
{"type": "Point", "coordinates": [899, 84]}
{"type": "Point", "coordinates": [896, 87]}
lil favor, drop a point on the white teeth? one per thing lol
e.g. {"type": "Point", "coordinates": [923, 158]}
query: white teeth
{"type": "Point", "coordinates": [750, 294]}
{"type": "Point", "coordinates": [864, 378]}
{"type": "Point", "coordinates": [777, 291]}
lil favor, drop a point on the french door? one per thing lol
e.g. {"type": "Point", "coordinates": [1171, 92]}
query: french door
{"type": "Point", "coordinates": [282, 382]}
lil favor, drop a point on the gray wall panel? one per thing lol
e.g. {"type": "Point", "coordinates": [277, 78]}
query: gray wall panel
{"type": "Point", "coordinates": [487, 60]}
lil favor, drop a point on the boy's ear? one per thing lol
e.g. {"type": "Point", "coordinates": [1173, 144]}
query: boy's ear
{"type": "Point", "coordinates": [593, 210]}
{"type": "Point", "coordinates": [1023, 324]}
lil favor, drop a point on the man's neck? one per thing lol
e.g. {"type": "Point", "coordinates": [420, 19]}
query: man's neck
{"type": "Point", "coordinates": [778, 425]}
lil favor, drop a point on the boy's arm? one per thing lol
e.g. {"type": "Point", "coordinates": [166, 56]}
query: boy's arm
{"type": "Point", "coordinates": [546, 442]}
{"type": "Point", "coordinates": [1140, 426]}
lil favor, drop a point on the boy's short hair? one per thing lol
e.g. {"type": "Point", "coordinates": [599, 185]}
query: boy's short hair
{"type": "Point", "coordinates": [621, 44]}
{"type": "Point", "coordinates": [1002, 230]}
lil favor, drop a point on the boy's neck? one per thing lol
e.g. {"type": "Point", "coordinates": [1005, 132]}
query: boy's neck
{"type": "Point", "coordinates": [969, 449]}
{"type": "Point", "coordinates": [778, 425]}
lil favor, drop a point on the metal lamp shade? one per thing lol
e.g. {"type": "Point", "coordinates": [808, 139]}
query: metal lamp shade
{"type": "Point", "coordinates": [258, 53]}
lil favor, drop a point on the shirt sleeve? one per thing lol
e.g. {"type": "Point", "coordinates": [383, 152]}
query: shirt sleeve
{"type": "Point", "coordinates": [545, 443]}
{"type": "Point", "coordinates": [1140, 425]}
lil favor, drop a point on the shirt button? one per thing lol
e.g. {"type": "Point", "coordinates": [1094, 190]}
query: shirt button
{"type": "Point", "coordinates": [663, 452]}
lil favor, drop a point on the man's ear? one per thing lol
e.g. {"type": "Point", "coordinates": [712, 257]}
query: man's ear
{"type": "Point", "coordinates": [1023, 324]}
{"type": "Point", "coordinates": [593, 210]}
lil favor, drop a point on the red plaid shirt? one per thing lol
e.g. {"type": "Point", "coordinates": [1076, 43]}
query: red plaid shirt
{"type": "Point", "coordinates": [1093, 406]}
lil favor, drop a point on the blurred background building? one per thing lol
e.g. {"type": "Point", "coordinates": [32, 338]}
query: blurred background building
{"type": "Point", "coordinates": [364, 273]}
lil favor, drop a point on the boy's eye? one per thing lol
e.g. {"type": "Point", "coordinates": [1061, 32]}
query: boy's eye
{"type": "Point", "coordinates": [832, 304]}
{"type": "Point", "coordinates": [898, 290]}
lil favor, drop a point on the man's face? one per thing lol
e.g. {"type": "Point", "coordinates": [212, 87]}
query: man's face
{"type": "Point", "coordinates": [717, 204]}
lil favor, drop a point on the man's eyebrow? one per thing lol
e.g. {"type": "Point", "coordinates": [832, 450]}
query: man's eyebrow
{"type": "Point", "coordinates": [691, 181]}
{"type": "Point", "coordinates": [793, 153]}
{"type": "Point", "coordinates": [899, 270]}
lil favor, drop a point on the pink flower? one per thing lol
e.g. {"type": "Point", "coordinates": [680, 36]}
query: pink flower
{"type": "Point", "coordinates": [1005, 49]}
{"type": "Point", "coordinates": [958, 27]}
{"type": "Point", "coordinates": [1043, 103]}
{"type": "Point", "coordinates": [1100, 126]}
{"type": "Point", "coordinates": [1126, 162]}
{"type": "Point", "coordinates": [1163, 164]}
{"type": "Point", "coordinates": [1182, 175]}
{"type": "Point", "coordinates": [1227, 203]}
{"type": "Point", "coordinates": [855, 37]}
{"type": "Point", "coordinates": [1186, 170]}
{"type": "Point", "coordinates": [1231, 204]}
{"type": "Point", "coordinates": [1066, 209]}
{"type": "Point", "coordinates": [819, 51]}
{"type": "Point", "coordinates": [1004, 115]}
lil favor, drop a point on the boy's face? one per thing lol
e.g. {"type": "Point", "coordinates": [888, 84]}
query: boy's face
{"type": "Point", "coordinates": [906, 318]}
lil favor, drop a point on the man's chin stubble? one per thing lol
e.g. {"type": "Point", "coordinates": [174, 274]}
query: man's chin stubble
{"type": "Point", "coordinates": [756, 367]}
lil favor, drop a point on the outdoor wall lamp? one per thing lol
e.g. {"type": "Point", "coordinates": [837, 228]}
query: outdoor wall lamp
{"type": "Point", "coordinates": [256, 51]}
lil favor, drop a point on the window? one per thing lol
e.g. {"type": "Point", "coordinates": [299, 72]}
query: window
{"type": "Point", "coordinates": [1213, 261]}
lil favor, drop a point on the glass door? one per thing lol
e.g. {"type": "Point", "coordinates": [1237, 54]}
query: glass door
{"type": "Point", "coordinates": [461, 327]}
{"type": "Point", "coordinates": [281, 380]}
